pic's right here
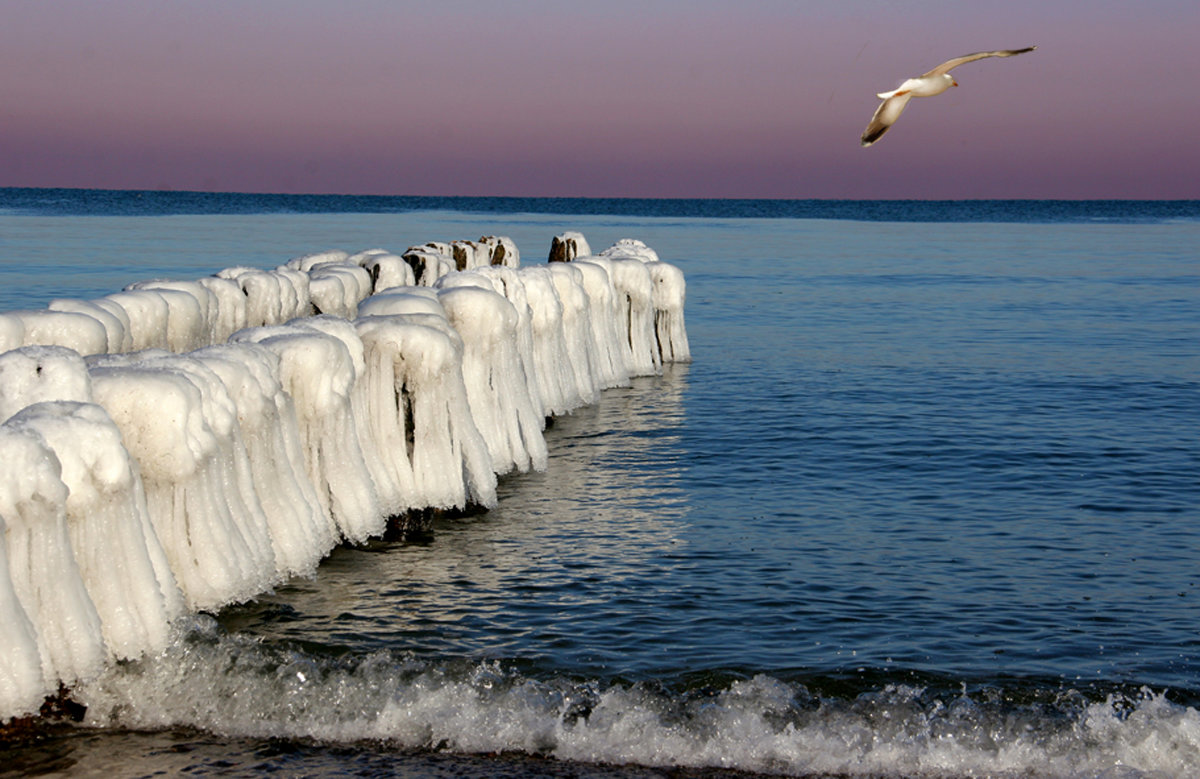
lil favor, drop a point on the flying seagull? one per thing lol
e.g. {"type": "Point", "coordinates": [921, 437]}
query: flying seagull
{"type": "Point", "coordinates": [935, 82]}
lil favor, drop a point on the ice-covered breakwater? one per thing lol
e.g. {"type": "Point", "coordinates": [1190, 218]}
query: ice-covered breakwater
{"type": "Point", "coordinates": [183, 445]}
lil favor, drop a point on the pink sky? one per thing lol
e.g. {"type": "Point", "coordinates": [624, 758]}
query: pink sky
{"type": "Point", "coordinates": [625, 98]}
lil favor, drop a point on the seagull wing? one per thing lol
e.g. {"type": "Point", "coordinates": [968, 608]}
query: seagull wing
{"type": "Point", "coordinates": [949, 65]}
{"type": "Point", "coordinates": [885, 115]}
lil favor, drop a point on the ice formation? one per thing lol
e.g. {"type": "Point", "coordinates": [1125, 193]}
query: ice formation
{"type": "Point", "coordinates": [113, 318]}
{"type": "Point", "coordinates": [147, 312]}
{"type": "Point", "coordinates": [76, 331]}
{"type": "Point", "coordinates": [569, 246]}
{"type": "Point", "coordinates": [179, 423]}
{"type": "Point", "coordinates": [300, 532]}
{"type": "Point", "coordinates": [425, 430]}
{"type": "Point", "coordinates": [33, 374]}
{"type": "Point", "coordinates": [41, 566]}
{"type": "Point", "coordinates": [386, 270]}
{"type": "Point", "coordinates": [317, 370]}
{"type": "Point", "coordinates": [119, 557]}
{"type": "Point", "coordinates": [12, 332]}
{"type": "Point", "coordinates": [226, 433]}
{"type": "Point", "coordinates": [496, 386]}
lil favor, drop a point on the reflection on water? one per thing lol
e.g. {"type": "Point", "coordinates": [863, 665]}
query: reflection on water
{"type": "Point", "coordinates": [562, 572]}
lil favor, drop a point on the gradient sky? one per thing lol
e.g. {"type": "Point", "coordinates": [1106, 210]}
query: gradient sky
{"type": "Point", "coordinates": [620, 98]}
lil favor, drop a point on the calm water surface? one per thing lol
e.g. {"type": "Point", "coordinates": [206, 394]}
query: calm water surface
{"type": "Point", "coordinates": [926, 503]}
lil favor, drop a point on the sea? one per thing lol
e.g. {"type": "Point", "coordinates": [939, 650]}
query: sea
{"type": "Point", "coordinates": [926, 503]}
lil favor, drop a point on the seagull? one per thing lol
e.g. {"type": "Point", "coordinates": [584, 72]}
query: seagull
{"type": "Point", "coordinates": [935, 82]}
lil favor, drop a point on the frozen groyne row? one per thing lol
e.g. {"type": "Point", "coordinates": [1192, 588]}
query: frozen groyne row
{"type": "Point", "coordinates": [182, 445]}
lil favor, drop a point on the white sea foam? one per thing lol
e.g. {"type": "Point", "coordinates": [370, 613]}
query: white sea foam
{"type": "Point", "coordinates": [237, 687]}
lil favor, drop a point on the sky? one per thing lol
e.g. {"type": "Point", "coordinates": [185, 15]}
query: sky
{"type": "Point", "coordinates": [621, 98]}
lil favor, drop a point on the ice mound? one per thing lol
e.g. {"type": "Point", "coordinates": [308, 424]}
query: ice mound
{"type": "Point", "coordinates": [12, 332]}
{"type": "Point", "coordinates": [147, 313]}
{"type": "Point", "coordinates": [611, 365]}
{"type": "Point", "coordinates": [230, 314]}
{"type": "Point", "coordinates": [504, 251]}
{"type": "Point", "coordinates": [338, 288]}
{"type": "Point", "coordinates": [386, 270]}
{"type": "Point", "coordinates": [179, 423]}
{"type": "Point", "coordinates": [430, 261]}
{"type": "Point", "coordinates": [670, 291]}
{"type": "Point", "coordinates": [301, 533]}
{"type": "Point", "coordinates": [112, 316]}
{"type": "Point", "coordinates": [508, 282]}
{"type": "Point", "coordinates": [631, 248]}
{"type": "Point", "coordinates": [272, 297]}
{"type": "Point", "coordinates": [317, 370]}
{"type": "Point", "coordinates": [187, 323]}
{"type": "Point", "coordinates": [306, 262]}
{"type": "Point", "coordinates": [23, 683]}
{"type": "Point", "coordinates": [551, 358]}
{"type": "Point", "coordinates": [120, 559]}
{"type": "Point", "coordinates": [41, 566]}
{"type": "Point", "coordinates": [70, 329]}
{"type": "Point", "coordinates": [568, 246]}
{"type": "Point", "coordinates": [36, 373]}
{"type": "Point", "coordinates": [635, 314]}
{"type": "Point", "coordinates": [424, 429]}
{"type": "Point", "coordinates": [496, 386]}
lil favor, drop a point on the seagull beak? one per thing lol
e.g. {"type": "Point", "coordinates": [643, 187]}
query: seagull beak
{"type": "Point", "coordinates": [953, 83]}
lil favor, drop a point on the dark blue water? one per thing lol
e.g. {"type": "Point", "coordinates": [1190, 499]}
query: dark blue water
{"type": "Point", "coordinates": [927, 503]}
{"type": "Point", "coordinates": [97, 202]}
